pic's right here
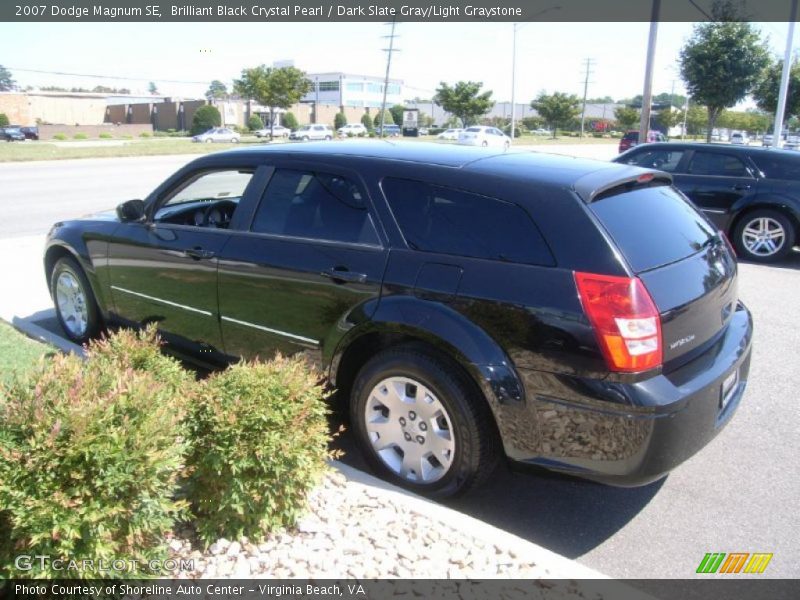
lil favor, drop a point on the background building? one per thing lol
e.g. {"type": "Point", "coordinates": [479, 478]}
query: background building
{"type": "Point", "coordinates": [356, 91]}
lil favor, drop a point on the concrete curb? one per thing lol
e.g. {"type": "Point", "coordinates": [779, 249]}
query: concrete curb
{"type": "Point", "coordinates": [41, 334]}
{"type": "Point", "coordinates": [554, 565]}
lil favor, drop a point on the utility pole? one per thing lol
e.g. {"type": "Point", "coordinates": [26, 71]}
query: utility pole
{"type": "Point", "coordinates": [647, 96]}
{"type": "Point", "coordinates": [787, 65]}
{"type": "Point", "coordinates": [389, 51]}
{"type": "Point", "coordinates": [589, 71]}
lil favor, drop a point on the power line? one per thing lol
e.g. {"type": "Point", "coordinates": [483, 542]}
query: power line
{"type": "Point", "coordinates": [107, 76]}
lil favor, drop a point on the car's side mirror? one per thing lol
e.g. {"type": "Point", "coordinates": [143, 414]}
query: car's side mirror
{"type": "Point", "coordinates": [131, 211]}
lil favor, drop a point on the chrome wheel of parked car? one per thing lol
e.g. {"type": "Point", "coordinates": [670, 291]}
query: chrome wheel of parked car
{"type": "Point", "coordinates": [410, 429]}
{"type": "Point", "coordinates": [209, 140]}
{"type": "Point", "coordinates": [75, 304]}
{"type": "Point", "coordinates": [421, 422]}
{"type": "Point", "coordinates": [764, 236]}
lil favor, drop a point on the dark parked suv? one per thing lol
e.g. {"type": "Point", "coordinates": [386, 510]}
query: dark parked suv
{"type": "Point", "coordinates": [469, 306]}
{"type": "Point", "coordinates": [750, 193]}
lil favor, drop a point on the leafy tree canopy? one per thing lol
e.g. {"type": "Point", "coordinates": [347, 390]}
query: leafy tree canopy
{"type": "Point", "coordinates": [464, 100]}
{"type": "Point", "coordinates": [557, 108]}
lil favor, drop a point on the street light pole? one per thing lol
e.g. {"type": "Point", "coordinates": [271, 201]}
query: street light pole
{"type": "Point", "coordinates": [787, 65]}
{"type": "Point", "coordinates": [647, 95]}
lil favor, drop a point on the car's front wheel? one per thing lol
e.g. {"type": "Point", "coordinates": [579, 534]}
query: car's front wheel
{"type": "Point", "coordinates": [75, 304]}
{"type": "Point", "coordinates": [209, 140]}
{"type": "Point", "coordinates": [421, 424]}
{"type": "Point", "coordinates": [764, 235]}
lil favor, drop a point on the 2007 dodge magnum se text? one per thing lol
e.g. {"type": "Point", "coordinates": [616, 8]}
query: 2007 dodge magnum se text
{"type": "Point", "coordinates": [469, 305]}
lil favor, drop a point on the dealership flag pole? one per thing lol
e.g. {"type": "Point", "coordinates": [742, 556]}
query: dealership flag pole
{"type": "Point", "coordinates": [787, 65]}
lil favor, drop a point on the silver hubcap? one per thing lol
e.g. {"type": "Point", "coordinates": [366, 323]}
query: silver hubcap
{"type": "Point", "coordinates": [763, 236]}
{"type": "Point", "coordinates": [410, 430]}
{"type": "Point", "coordinates": [71, 301]}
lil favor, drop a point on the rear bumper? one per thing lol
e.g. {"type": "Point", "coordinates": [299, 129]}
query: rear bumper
{"type": "Point", "coordinates": [628, 434]}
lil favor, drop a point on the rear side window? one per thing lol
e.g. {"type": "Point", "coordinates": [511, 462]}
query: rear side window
{"type": "Point", "coordinates": [716, 163]}
{"type": "Point", "coordinates": [449, 221]}
{"type": "Point", "coordinates": [316, 206]}
{"type": "Point", "coordinates": [778, 167]}
{"type": "Point", "coordinates": [653, 226]}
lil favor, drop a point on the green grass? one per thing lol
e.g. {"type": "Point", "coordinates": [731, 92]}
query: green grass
{"type": "Point", "coordinates": [18, 353]}
{"type": "Point", "coordinates": [31, 151]}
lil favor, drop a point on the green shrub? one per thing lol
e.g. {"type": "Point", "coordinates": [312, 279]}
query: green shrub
{"type": "Point", "coordinates": [387, 118]}
{"type": "Point", "coordinates": [80, 136]}
{"type": "Point", "coordinates": [366, 121]}
{"type": "Point", "coordinates": [255, 123]}
{"type": "Point", "coordinates": [145, 134]}
{"type": "Point", "coordinates": [290, 121]}
{"type": "Point", "coordinates": [4, 120]}
{"type": "Point", "coordinates": [90, 453]}
{"type": "Point", "coordinates": [60, 136]}
{"type": "Point", "coordinates": [340, 120]}
{"type": "Point", "coordinates": [105, 136]}
{"type": "Point", "coordinates": [205, 117]}
{"type": "Point", "coordinates": [258, 437]}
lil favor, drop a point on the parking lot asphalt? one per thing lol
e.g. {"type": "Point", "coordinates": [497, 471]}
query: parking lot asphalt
{"type": "Point", "coordinates": [739, 494]}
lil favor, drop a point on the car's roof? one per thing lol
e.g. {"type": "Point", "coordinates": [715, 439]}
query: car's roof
{"type": "Point", "coordinates": [714, 147]}
{"type": "Point", "coordinates": [542, 168]}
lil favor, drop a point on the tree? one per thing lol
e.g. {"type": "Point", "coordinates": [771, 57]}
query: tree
{"type": "Point", "coordinates": [464, 100]}
{"type": "Point", "coordinates": [721, 63]}
{"type": "Point", "coordinates": [387, 119]}
{"type": "Point", "coordinates": [366, 121]}
{"type": "Point", "coordinates": [3, 120]}
{"type": "Point", "coordinates": [397, 113]}
{"type": "Point", "coordinates": [603, 100]}
{"type": "Point", "coordinates": [289, 120]}
{"type": "Point", "coordinates": [532, 123]}
{"type": "Point", "coordinates": [216, 90]}
{"type": "Point", "coordinates": [696, 119]}
{"type": "Point", "coordinates": [626, 117]}
{"type": "Point", "coordinates": [666, 119]}
{"type": "Point", "coordinates": [272, 87]}
{"type": "Point", "coordinates": [6, 82]}
{"type": "Point", "coordinates": [766, 91]}
{"type": "Point", "coordinates": [557, 108]}
{"type": "Point", "coordinates": [205, 118]}
{"type": "Point", "coordinates": [254, 123]}
{"type": "Point", "coordinates": [152, 88]}
{"type": "Point", "coordinates": [340, 120]}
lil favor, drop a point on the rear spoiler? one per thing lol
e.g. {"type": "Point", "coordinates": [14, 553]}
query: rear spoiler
{"type": "Point", "coordinates": [601, 184]}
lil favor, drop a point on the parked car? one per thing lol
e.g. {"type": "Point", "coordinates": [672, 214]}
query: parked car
{"type": "Point", "coordinates": [450, 134]}
{"type": "Point", "coordinates": [12, 134]}
{"type": "Point", "coordinates": [312, 132]}
{"type": "Point", "coordinates": [542, 131]}
{"type": "Point", "coordinates": [739, 138]}
{"type": "Point", "coordinates": [752, 194]}
{"type": "Point", "coordinates": [30, 133]}
{"type": "Point", "coordinates": [589, 325]}
{"type": "Point", "coordinates": [217, 134]}
{"type": "Point", "coordinates": [278, 131]}
{"type": "Point", "coordinates": [631, 139]}
{"type": "Point", "coordinates": [391, 131]}
{"type": "Point", "coordinates": [767, 139]}
{"type": "Point", "coordinates": [484, 136]}
{"type": "Point", "coordinates": [352, 130]}
{"type": "Point", "coordinates": [423, 131]}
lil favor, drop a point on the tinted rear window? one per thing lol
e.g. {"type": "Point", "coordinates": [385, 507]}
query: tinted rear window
{"type": "Point", "coordinates": [653, 226]}
{"type": "Point", "coordinates": [631, 135]}
{"type": "Point", "coordinates": [449, 221]}
{"type": "Point", "coordinates": [778, 167]}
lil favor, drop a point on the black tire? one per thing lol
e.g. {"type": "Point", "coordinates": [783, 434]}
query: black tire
{"type": "Point", "coordinates": [477, 449]}
{"type": "Point", "coordinates": [485, 144]}
{"type": "Point", "coordinates": [70, 266]}
{"type": "Point", "coordinates": [750, 220]}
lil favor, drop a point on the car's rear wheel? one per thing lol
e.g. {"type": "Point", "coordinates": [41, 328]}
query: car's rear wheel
{"type": "Point", "coordinates": [328, 138]}
{"type": "Point", "coordinates": [75, 304]}
{"type": "Point", "coordinates": [304, 138]}
{"type": "Point", "coordinates": [421, 424]}
{"type": "Point", "coordinates": [485, 143]}
{"type": "Point", "coordinates": [235, 140]}
{"type": "Point", "coordinates": [209, 140]}
{"type": "Point", "coordinates": [506, 146]}
{"type": "Point", "coordinates": [764, 235]}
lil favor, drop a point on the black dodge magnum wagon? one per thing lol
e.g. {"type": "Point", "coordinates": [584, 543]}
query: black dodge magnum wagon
{"type": "Point", "coordinates": [469, 305]}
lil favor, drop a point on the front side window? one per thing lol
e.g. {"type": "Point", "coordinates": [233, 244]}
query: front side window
{"type": "Point", "coordinates": [209, 199]}
{"type": "Point", "coordinates": [665, 160]}
{"type": "Point", "coordinates": [778, 167]}
{"type": "Point", "coordinates": [449, 221]}
{"type": "Point", "coordinates": [316, 206]}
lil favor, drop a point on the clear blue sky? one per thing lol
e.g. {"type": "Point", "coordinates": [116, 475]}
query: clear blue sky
{"type": "Point", "coordinates": [549, 55]}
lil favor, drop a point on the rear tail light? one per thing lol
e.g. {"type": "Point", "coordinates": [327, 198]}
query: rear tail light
{"type": "Point", "coordinates": [625, 319]}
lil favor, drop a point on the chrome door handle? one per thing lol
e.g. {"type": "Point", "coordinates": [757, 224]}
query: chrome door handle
{"type": "Point", "coordinates": [339, 274]}
{"type": "Point", "coordinates": [199, 253]}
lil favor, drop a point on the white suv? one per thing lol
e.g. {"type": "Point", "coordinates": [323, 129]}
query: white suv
{"type": "Point", "coordinates": [353, 129]}
{"type": "Point", "coordinates": [484, 136]}
{"type": "Point", "coordinates": [312, 132]}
